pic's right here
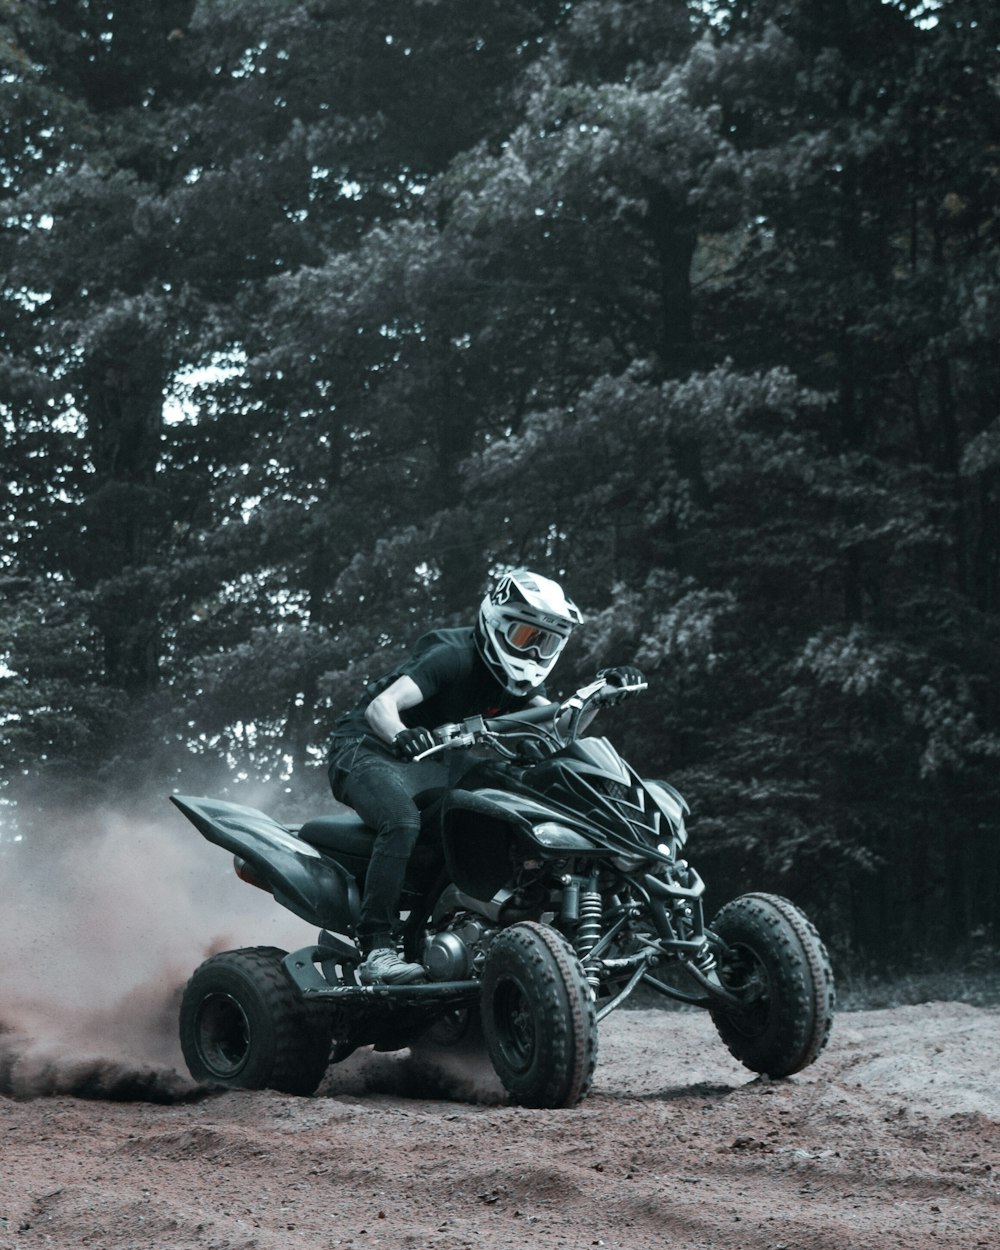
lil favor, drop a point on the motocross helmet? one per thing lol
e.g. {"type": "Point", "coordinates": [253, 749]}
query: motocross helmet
{"type": "Point", "coordinates": [524, 622]}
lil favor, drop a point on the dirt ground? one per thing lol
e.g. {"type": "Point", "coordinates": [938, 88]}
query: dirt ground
{"type": "Point", "coordinates": [891, 1140]}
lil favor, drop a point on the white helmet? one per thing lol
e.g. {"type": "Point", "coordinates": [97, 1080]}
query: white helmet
{"type": "Point", "coordinates": [524, 622]}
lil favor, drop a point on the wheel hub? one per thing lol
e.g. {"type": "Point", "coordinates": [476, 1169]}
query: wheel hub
{"type": "Point", "coordinates": [223, 1034]}
{"type": "Point", "coordinates": [517, 1031]}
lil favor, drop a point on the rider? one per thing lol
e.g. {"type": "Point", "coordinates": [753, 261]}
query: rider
{"type": "Point", "coordinates": [497, 666]}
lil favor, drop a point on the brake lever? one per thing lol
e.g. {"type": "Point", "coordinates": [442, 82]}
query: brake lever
{"type": "Point", "coordinates": [466, 735]}
{"type": "Point", "coordinates": [434, 750]}
{"type": "Point", "coordinates": [579, 698]}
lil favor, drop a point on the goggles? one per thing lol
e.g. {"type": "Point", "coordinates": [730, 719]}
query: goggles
{"type": "Point", "coordinates": [522, 636]}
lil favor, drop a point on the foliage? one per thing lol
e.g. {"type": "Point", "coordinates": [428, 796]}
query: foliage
{"type": "Point", "coordinates": [312, 314]}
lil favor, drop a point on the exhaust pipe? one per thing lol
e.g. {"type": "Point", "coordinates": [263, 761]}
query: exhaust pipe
{"type": "Point", "coordinates": [247, 873]}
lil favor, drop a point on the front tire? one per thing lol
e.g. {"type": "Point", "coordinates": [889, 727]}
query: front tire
{"type": "Point", "coordinates": [243, 1025]}
{"type": "Point", "coordinates": [538, 1017]}
{"type": "Point", "coordinates": [772, 956]}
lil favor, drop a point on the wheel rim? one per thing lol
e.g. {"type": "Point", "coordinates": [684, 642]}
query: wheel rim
{"type": "Point", "coordinates": [744, 974]}
{"type": "Point", "coordinates": [223, 1034]}
{"type": "Point", "coordinates": [514, 1025]}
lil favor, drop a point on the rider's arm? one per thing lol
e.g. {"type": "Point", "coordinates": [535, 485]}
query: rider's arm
{"type": "Point", "coordinates": [382, 714]}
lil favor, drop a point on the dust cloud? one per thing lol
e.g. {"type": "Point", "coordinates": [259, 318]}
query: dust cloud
{"type": "Point", "coordinates": [459, 1073]}
{"type": "Point", "coordinates": [100, 928]}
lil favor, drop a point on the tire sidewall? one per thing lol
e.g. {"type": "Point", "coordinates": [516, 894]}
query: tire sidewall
{"type": "Point", "coordinates": [217, 977]}
{"type": "Point", "coordinates": [531, 972]}
{"type": "Point", "coordinates": [787, 1032]}
{"type": "Point", "coordinates": [288, 1039]}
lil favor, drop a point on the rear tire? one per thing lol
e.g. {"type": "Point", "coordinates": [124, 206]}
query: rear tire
{"type": "Point", "coordinates": [244, 1025]}
{"type": "Point", "coordinates": [773, 955]}
{"type": "Point", "coordinates": [538, 1017]}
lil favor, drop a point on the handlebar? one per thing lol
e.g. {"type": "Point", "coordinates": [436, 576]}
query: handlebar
{"type": "Point", "coordinates": [478, 730]}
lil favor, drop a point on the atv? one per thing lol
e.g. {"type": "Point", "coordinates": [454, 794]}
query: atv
{"type": "Point", "coordinates": [547, 885]}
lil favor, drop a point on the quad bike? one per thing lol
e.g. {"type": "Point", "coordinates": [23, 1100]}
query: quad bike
{"type": "Point", "coordinates": [544, 889]}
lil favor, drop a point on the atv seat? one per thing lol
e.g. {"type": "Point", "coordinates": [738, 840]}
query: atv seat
{"type": "Point", "coordinates": [347, 832]}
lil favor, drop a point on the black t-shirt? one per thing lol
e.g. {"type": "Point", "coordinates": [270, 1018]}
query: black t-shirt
{"type": "Point", "coordinates": [452, 677]}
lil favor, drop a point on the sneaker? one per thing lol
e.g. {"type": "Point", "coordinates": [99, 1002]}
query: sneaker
{"type": "Point", "coordinates": [383, 966]}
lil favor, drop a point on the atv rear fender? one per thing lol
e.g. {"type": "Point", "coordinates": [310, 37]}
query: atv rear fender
{"type": "Point", "coordinates": [307, 883]}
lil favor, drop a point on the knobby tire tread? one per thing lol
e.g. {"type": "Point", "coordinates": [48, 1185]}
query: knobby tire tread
{"type": "Point", "coordinates": [805, 979]}
{"type": "Point", "coordinates": [297, 1033]}
{"type": "Point", "coordinates": [564, 1011]}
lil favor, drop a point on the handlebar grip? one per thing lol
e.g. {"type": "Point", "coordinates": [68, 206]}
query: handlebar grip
{"type": "Point", "coordinates": [529, 716]}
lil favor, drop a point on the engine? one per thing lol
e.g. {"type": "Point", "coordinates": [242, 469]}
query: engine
{"type": "Point", "coordinates": [457, 952]}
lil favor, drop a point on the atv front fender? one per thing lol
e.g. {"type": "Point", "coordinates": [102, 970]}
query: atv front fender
{"type": "Point", "coordinates": [480, 827]}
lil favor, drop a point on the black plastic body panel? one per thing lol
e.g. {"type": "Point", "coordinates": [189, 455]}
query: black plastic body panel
{"type": "Point", "coordinates": [310, 884]}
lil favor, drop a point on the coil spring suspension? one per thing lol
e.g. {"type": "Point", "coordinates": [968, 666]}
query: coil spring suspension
{"type": "Point", "coordinates": [704, 961]}
{"type": "Point", "coordinates": [588, 932]}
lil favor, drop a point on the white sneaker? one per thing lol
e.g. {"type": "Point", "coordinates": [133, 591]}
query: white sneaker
{"type": "Point", "coordinates": [383, 966]}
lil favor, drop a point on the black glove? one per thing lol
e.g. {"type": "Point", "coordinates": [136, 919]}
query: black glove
{"type": "Point", "coordinates": [409, 743]}
{"type": "Point", "coordinates": [624, 675]}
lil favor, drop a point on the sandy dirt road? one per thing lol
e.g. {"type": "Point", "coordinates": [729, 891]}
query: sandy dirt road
{"type": "Point", "coordinates": [891, 1140]}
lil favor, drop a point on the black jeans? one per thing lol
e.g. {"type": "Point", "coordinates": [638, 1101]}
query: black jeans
{"type": "Point", "coordinates": [383, 790]}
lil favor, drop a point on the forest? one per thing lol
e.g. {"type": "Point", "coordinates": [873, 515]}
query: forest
{"type": "Point", "coordinates": [315, 314]}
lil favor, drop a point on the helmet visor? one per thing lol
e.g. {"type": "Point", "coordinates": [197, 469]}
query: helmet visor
{"type": "Point", "coordinates": [524, 637]}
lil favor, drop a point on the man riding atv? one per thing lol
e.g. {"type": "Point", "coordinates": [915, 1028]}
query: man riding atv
{"type": "Point", "coordinates": [495, 667]}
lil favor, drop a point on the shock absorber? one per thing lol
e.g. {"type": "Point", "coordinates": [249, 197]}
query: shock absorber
{"type": "Point", "coordinates": [588, 931]}
{"type": "Point", "coordinates": [705, 961]}
{"type": "Point", "coordinates": [691, 925]}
